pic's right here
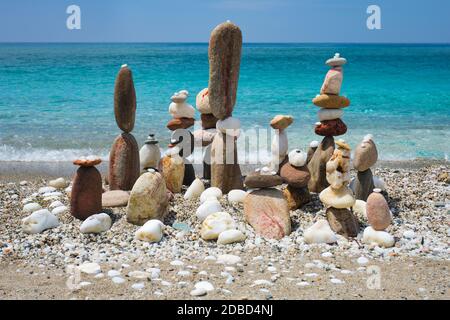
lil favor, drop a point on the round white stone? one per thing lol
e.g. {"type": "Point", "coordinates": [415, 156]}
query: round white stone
{"type": "Point", "coordinates": [31, 207]}
{"type": "Point", "coordinates": [297, 158]}
{"type": "Point", "coordinates": [96, 223]}
{"type": "Point", "coordinates": [210, 206]}
{"type": "Point", "coordinates": [362, 260]}
{"type": "Point", "coordinates": [59, 210]}
{"type": "Point", "coordinates": [151, 231]}
{"type": "Point", "coordinates": [380, 238]}
{"type": "Point", "coordinates": [236, 196]}
{"type": "Point", "coordinates": [205, 285]}
{"type": "Point", "coordinates": [211, 192]}
{"type": "Point", "coordinates": [215, 224]}
{"type": "Point", "coordinates": [231, 236]}
{"type": "Point", "coordinates": [90, 268]}
{"type": "Point", "coordinates": [198, 292]}
{"type": "Point", "coordinates": [320, 232]}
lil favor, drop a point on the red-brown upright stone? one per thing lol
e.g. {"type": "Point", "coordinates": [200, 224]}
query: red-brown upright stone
{"type": "Point", "coordinates": [124, 166]}
{"type": "Point", "coordinates": [125, 100]}
{"type": "Point", "coordinates": [224, 62]}
{"type": "Point", "coordinates": [225, 170]}
{"type": "Point", "coordinates": [86, 195]}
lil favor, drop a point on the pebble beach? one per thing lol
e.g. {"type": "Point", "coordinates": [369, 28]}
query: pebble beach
{"type": "Point", "coordinates": [114, 265]}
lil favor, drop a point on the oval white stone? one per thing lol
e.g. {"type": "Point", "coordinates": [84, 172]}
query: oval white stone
{"type": "Point", "coordinates": [151, 231]}
{"type": "Point", "coordinates": [381, 238]}
{"type": "Point", "coordinates": [195, 190]}
{"type": "Point", "coordinates": [39, 221]}
{"type": "Point", "coordinates": [215, 224]}
{"type": "Point", "coordinates": [59, 183]}
{"type": "Point", "coordinates": [96, 223]}
{"type": "Point", "coordinates": [320, 232]}
{"type": "Point", "coordinates": [297, 158]}
{"type": "Point", "coordinates": [59, 210]}
{"type": "Point", "coordinates": [211, 192]}
{"type": "Point", "coordinates": [236, 195]}
{"type": "Point", "coordinates": [210, 206]}
{"type": "Point", "coordinates": [231, 236]}
{"type": "Point", "coordinates": [31, 207]}
{"type": "Point", "coordinates": [329, 114]}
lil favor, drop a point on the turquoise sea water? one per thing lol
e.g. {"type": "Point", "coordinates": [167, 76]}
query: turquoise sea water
{"type": "Point", "coordinates": [56, 100]}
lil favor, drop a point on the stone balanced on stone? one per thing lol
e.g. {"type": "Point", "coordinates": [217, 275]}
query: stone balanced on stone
{"type": "Point", "coordinates": [150, 154]}
{"type": "Point", "coordinates": [204, 137]}
{"type": "Point", "coordinates": [266, 209]}
{"type": "Point", "coordinates": [379, 217]}
{"type": "Point", "coordinates": [366, 155]}
{"type": "Point", "coordinates": [124, 166]}
{"type": "Point", "coordinates": [86, 195]}
{"type": "Point", "coordinates": [224, 63]}
{"type": "Point", "coordinates": [292, 168]}
{"type": "Point", "coordinates": [330, 125]}
{"type": "Point", "coordinates": [181, 143]}
{"type": "Point", "coordinates": [338, 198]}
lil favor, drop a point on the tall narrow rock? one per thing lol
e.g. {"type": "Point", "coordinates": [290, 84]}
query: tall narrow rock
{"type": "Point", "coordinates": [318, 163]}
{"type": "Point", "coordinates": [224, 62]}
{"type": "Point", "coordinates": [125, 100]}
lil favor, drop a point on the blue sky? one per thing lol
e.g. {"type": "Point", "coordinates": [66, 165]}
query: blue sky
{"type": "Point", "coordinates": [192, 20]}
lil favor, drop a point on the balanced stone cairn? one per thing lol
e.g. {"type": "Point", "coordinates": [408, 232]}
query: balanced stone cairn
{"type": "Point", "coordinates": [366, 155]}
{"type": "Point", "coordinates": [379, 217]}
{"type": "Point", "coordinates": [150, 154]}
{"type": "Point", "coordinates": [330, 125]}
{"type": "Point", "coordinates": [224, 62]}
{"type": "Point", "coordinates": [266, 209]}
{"type": "Point", "coordinates": [183, 118]}
{"type": "Point", "coordinates": [86, 195]}
{"type": "Point", "coordinates": [338, 198]}
{"type": "Point", "coordinates": [124, 166]}
{"type": "Point", "coordinates": [204, 137]}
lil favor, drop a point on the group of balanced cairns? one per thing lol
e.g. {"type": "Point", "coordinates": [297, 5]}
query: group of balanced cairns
{"type": "Point", "coordinates": [145, 182]}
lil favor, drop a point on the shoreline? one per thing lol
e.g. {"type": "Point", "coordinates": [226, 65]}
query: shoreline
{"type": "Point", "coordinates": [15, 170]}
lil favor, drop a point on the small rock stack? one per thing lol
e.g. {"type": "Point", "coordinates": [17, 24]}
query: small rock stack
{"type": "Point", "coordinates": [86, 195]}
{"type": "Point", "coordinates": [224, 63]}
{"type": "Point", "coordinates": [330, 125]}
{"type": "Point", "coordinates": [266, 209]}
{"type": "Point", "coordinates": [338, 198]}
{"type": "Point", "coordinates": [183, 118]}
{"type": "Point", "coordinates": [124, 166]}
{"type": "Point", "coordinates": [280, 144]}
{"type": "Point", "coordinates": [205, 136]}
{"type": "Point", "coordinates": [379, 217]}
{"type": "Point", "coordinates": [366, 155]}
{"type": "Point", "coordinates": [295, 173]}
{"type": "Point", "coordinates": [150, 154]}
